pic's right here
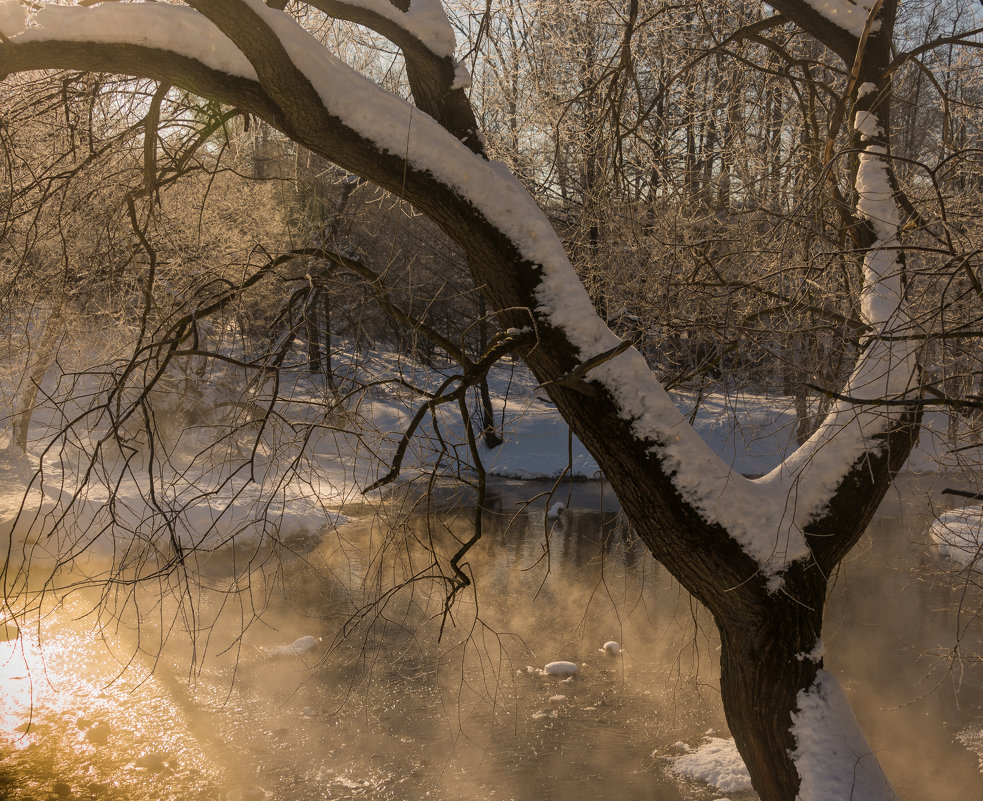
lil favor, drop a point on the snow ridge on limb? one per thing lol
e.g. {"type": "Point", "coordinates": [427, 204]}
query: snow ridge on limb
{"type": "Point", "coordinates": [160, 26]}
{"type": "Point", "coordinates": [424, 35]}
{"type": "Point", "coordinates": [424, 20]}
{"type": "Point", "coordinates": [832, 756]}
{"type": "Point", "coordinates": [850, 15]}
{"type": "Point", "coordinates": [838, 24]}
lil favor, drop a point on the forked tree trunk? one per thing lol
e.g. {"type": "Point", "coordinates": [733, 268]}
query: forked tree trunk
{"type": "Point", "coordinates": [768, 633]}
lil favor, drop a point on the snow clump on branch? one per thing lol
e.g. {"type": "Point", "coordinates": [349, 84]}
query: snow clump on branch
{"type": "Point", "coordinates": [13, 18]}
{"type": "Point", "coordinates": [849, 15]}
{"type": "Point", "coordinates": [425, 20]}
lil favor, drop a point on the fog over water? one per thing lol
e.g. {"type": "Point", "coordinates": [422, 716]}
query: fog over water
{"type": "Point", "coordinates": [389, 711]}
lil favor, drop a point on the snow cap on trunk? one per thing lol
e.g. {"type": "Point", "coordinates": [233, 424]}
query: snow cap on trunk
{"type": "Point", "coordinates": [832, 756]}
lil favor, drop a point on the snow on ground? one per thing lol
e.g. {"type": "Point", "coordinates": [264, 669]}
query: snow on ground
{"type": "Point", "coordinates": [318, 460]}
{"type": "Point", "coordinates": [752, 431]}
{"type": "Point", "coordinates": [939, 449]}
{"type": "Point", "coordinates": [715, 762]}
{"type": "Point", "coordinates": [958, 533]}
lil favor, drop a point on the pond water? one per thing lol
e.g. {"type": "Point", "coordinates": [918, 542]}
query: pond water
{"type": "Point", "coordinates": [418, 701]}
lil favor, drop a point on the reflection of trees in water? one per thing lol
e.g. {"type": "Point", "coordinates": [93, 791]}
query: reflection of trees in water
{"type": "Point", "coordinates": [583, 537]}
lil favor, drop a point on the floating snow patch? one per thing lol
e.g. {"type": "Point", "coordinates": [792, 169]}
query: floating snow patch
{"type": "Point", "coordinates": [561, 669]}
{"type": "Point", "coordinates": [299, 646]}
{"type": "Point", "coordinates": [556, 510]}
{"type": "Point", "coordinates": [958, 534]}
{"type": "Point", "coordinates": [716, 762]}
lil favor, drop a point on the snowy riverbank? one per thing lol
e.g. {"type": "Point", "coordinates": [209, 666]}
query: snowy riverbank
{"type": "Point", "coordinates": [291, 483]}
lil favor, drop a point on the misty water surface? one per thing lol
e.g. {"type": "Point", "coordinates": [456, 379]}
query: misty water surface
{"type": "Point", "coordinates": [390, 711]}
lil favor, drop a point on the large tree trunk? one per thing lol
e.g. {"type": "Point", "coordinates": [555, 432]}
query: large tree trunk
{"type": "Point", "coordinates": [765, 662]}
{"type": "Point", "coordinates": [769, 629]}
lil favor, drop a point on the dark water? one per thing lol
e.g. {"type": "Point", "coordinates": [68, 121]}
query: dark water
{"type": "Point", "coordinates": [418, 701]}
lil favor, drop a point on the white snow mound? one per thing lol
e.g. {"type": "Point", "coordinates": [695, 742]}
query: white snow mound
{"type": "Point", "coordinates": [561, 669]}
{"type": "Point", "coordinates": [958, 533]}
{"type": "Point", "coordinates": [716, 762]}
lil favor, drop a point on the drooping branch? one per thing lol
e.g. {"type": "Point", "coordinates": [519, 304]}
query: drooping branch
{"type": "Point", "coordinates": [700, 518]}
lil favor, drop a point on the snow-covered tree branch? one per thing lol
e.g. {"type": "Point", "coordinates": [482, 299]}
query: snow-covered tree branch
{"type": "Point", "coordinates": [756, 551]}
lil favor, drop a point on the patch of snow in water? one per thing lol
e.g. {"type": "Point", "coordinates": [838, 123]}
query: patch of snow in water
{"type": "Point", "coordinates": [556, 510]}
{"type": "Point", "coordinates": [299, 646]}
{"type": "Point", "coordinates": [561, 668]}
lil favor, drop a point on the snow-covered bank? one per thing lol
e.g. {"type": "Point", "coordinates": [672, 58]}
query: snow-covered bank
{"type": "Point", "coordinates": [958, 533]}
{"type": "Point", "coordinates": [753, 430]}
{"type": "Point", "coordinates": [299, 482]}
{"type": "Point", "coordinates": [716, 762]}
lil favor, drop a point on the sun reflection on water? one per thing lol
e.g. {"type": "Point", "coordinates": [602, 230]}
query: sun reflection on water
{"type": "Point", "coordinates": [78, 710]}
